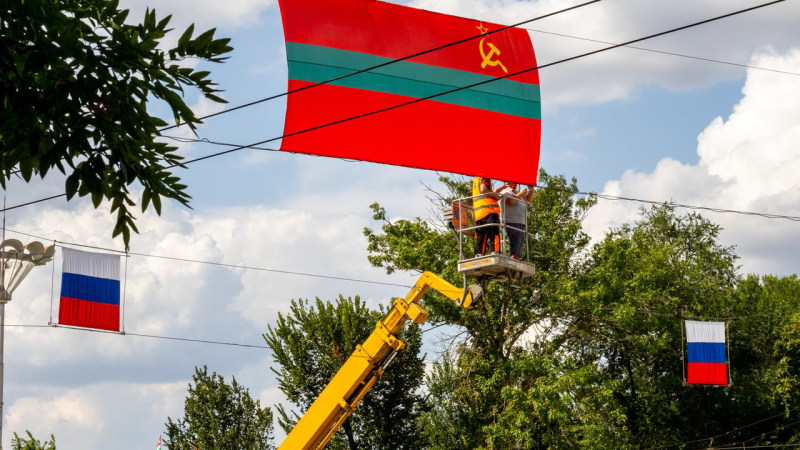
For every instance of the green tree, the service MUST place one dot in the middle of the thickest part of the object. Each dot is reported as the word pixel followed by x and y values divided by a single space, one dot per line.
pixel 314 340
pixel 483 364
pixel 76 81
pixel 220 416
pixel 18 443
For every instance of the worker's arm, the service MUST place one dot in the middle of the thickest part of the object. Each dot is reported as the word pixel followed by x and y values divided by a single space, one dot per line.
pixel 511 198
pixel 529 194
pixel 491 193
pixel 366 365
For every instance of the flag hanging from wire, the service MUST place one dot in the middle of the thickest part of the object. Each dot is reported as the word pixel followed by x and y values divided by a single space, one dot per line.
pixel 708 363
pixel 492 130
pixel 90 290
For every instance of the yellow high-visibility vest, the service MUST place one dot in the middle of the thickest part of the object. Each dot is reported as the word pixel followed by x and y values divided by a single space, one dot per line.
pixel 482 206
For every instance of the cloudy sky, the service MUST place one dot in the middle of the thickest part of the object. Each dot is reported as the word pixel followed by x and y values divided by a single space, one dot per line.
pixel 627 122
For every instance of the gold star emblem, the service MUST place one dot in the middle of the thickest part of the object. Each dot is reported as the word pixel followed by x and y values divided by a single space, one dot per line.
pixel 482 28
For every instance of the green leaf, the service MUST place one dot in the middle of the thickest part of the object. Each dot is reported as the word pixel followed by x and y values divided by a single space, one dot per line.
pixel 145 199
pixel 186 37
pixel 72 185
pixel 157 203
pixel 97 198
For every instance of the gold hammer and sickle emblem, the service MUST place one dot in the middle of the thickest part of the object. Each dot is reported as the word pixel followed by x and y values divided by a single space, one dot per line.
pixel 487 59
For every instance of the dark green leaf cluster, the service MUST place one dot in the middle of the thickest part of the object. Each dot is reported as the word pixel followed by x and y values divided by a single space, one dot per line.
pixel 18 443
pixel 312 342
pixel 75 82
pixel 220 416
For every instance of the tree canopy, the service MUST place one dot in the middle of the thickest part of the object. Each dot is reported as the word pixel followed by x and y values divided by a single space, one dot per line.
pixel 31 443
pixel 77 81
pixel 220 416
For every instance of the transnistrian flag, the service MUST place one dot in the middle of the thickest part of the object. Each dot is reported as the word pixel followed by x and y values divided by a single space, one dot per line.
pixel 706 345
pixel 492 130
pixel 90 290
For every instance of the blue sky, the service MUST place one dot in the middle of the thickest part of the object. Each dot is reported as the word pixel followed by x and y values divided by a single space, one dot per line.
pixel 627 123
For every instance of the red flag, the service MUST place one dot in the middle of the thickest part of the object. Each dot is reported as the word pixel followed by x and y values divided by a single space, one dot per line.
pixel 492 130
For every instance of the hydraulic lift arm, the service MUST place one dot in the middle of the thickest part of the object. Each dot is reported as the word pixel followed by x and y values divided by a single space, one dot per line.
pixel 367 363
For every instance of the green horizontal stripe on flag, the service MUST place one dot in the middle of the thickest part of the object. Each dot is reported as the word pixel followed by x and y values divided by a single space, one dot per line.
pixel 316 64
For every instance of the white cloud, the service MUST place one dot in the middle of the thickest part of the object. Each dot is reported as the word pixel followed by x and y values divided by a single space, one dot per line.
pixel 203 13
pixel 85 417
pixel 571 155
pixel 748 162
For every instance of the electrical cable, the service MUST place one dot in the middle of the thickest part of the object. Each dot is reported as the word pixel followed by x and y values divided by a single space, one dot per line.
pixel 470 86
pixel 663 52
pixel 595 194
pixel 539 67
pixel 153 336
pixel 461 41
pixel 740 444
pixel 211 263
pixel 704 208
pixel 758 446
pixel 725 433
pixel 481 83
pixel 283 94
pixel 519 24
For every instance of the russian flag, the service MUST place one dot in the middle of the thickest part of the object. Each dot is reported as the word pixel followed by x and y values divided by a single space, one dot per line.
pixel 706 345
pixel 89 290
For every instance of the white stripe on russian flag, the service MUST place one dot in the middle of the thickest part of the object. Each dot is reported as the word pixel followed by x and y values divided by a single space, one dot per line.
pixel 710 332
pixel 99 265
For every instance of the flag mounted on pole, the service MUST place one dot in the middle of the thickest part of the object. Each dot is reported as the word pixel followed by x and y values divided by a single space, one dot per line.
pixel 158 445
pixel 708 363
pixel 492 130
pixel 90 290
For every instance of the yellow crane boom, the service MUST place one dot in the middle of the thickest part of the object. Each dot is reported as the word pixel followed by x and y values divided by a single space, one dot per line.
pixel 367 363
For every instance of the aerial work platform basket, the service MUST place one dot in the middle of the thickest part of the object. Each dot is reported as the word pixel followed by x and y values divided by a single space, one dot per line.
pixel 497 266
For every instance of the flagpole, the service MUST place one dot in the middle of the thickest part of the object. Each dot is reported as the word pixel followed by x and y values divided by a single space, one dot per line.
pixel 2 326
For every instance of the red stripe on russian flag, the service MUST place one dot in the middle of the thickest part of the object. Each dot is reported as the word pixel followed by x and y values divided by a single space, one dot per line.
pixel 81 313
pixel 708 373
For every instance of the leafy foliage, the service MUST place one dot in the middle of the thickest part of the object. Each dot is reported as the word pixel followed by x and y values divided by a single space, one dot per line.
pixel 313 341
pixel 220 416
pixel 18 443
pixel 75 81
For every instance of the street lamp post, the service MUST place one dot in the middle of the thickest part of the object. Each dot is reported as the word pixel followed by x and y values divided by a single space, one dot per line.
pixel 16 262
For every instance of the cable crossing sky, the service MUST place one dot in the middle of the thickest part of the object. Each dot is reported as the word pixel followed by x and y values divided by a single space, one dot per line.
pixel 582 55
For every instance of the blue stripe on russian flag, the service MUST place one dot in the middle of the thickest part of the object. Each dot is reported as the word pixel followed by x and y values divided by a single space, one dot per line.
pixel 706 352
pixel 93 289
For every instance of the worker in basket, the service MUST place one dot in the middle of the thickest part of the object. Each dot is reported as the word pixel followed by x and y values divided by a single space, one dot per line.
pixel 516 213
pixel 487 212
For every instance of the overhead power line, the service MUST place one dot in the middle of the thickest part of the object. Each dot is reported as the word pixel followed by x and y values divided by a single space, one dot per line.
pixel 283 94
pixel 153 336
pixel 595 194
pixel 492 80
pixel 539 67
pixel 170 338
pixel 211 263
pixel 703 208
pixel 711 438
pixel 519 24
pixel 663 52
pixel 394 61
